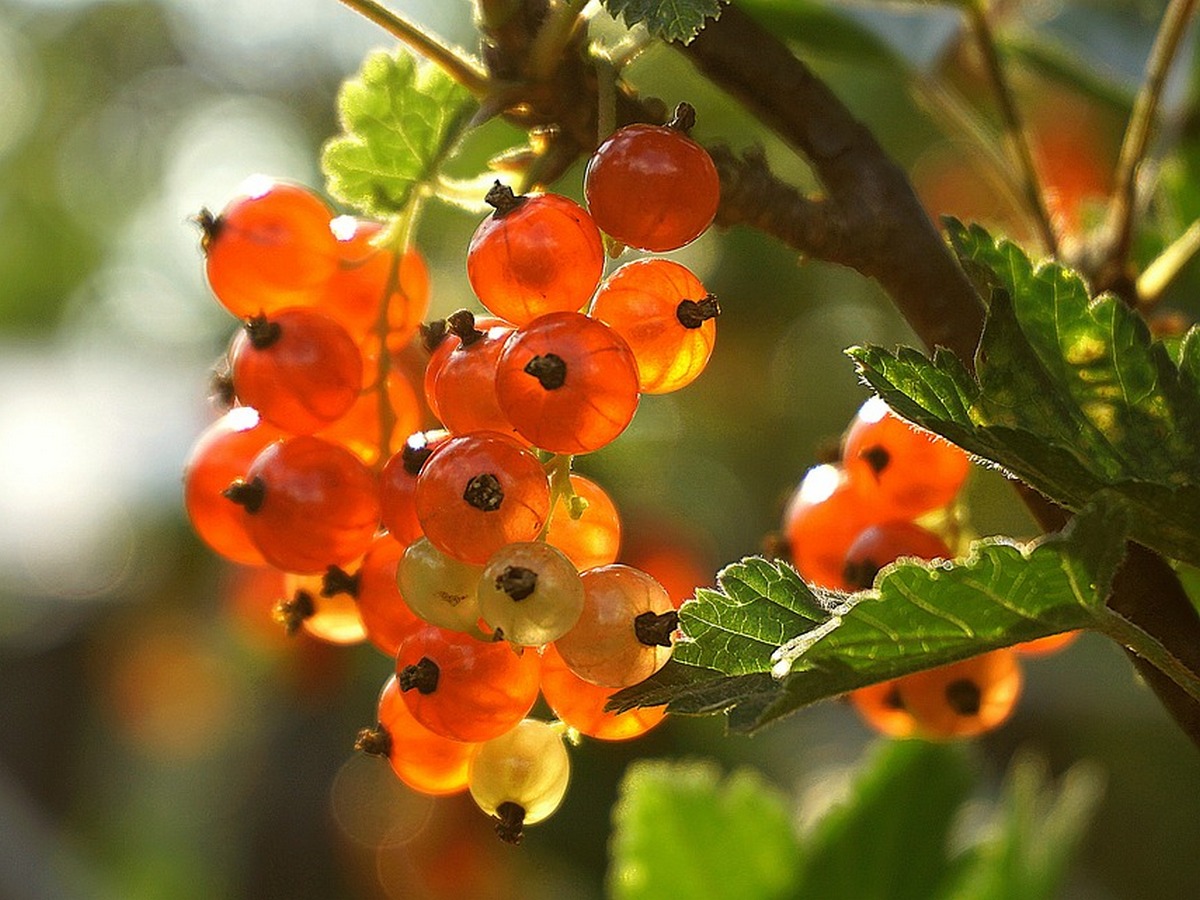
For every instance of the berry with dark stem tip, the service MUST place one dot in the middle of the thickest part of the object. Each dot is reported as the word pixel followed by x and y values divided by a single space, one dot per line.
pixel 964 697
pixel 247 494
pixel 694 313
pixel 877 458
pixel 376 741
pixel 461 324
pixel 337 580
pixel 433 333
pixel 684 119
pixel 549 369
pixel 291 613
pixel 655 629
pixel 517 581
pixel 422 676
pixel 263 332
pixel 484 492
pixel 510 822
pixel 502 199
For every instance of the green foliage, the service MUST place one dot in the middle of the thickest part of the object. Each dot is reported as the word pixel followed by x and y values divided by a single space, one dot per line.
pixel 888 839
pixel 677 828
pixel 400 119
pixel 670 20
pixel 765 643
pixel 1070 394
pixel 680 831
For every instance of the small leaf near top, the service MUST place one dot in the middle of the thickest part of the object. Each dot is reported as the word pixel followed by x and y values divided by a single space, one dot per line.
pixel 670 20
pixel 400 118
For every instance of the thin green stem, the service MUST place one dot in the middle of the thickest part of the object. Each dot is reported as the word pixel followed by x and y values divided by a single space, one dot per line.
pixel 453 62
pixel 1149 648
pixel 1017 137
pixel 558 470
pixel 396 240
pixel 552 38
pixel 1139 130
pixel 1162 272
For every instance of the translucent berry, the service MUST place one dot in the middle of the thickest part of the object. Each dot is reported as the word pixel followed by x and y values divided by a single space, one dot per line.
pixel 882 544
pixel 426 762
pixel 594 537
pixel 308 504
pixel 623 635
pixel 325 606
pixel 479 492
pixel 653 187
pixel 899 469
pixel 364 279
pixel 580 704
pixel 359 430
pixel 464 385
pixel 530 593
pixel 535 254
pixel 385 616
pixel 665 315
pixel 440 340
pixel 222 453
pixel 882 708
pixel 567 382
pixel 298 368
pixel 270 248
pixel 963 699
pixel 521 777
pixel 398 484
pixel 438 588
pixel 463 688
pixel 822 519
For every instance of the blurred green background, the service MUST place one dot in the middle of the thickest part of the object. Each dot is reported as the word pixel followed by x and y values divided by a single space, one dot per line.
pixel 160 739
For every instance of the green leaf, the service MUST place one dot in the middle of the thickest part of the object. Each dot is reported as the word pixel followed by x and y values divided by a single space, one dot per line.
pixel 670 20
pixel 1037 832
pixel 1071 394
pixel 400 118
pixel 888 839
pixel 682 832
pixel 765 643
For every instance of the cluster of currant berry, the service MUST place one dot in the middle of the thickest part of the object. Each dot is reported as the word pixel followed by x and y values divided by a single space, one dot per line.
pixel 847 521
pixel 472 556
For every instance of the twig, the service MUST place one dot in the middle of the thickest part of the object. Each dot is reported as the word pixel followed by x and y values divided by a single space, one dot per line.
pixel 553 35
pixel 1018 139
pixel 1162 272
pixel 456 65
pixel 1122 205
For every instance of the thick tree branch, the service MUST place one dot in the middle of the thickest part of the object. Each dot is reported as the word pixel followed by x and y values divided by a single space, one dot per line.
pixel 868 195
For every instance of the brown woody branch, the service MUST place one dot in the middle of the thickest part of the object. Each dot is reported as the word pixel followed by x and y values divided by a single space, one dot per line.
pixel 872 221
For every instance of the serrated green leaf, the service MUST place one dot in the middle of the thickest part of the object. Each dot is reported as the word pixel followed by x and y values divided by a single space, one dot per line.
pixel 1071 394
pixel 670 20
pixel 681 831
pixel 400 118
pixel 765 643
pixel 1036 835
pixel 889 839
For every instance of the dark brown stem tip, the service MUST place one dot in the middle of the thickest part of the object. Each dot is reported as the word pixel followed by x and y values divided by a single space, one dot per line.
pixel 964 697
pixel 220 386
pixel 860 574
pixel 249 495
pixel 422 676
pixel 461 324
pixel 517 581
pixel 694 313
pixel 684 119
pixel 877 458
pixel 655 629
pixel 549 369
pixel 502 199
pixel 210 227
pixel 337 580
pixel 432 334
pixel 262 332
pixel 484 492
pixel 510 822
pixel 376 741
pixel 292 613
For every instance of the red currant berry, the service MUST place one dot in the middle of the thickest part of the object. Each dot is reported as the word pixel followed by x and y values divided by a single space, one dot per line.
pixel 398 485
pixel 479 492
pixel 880 545
pixel 463 688
pixel 881 707
pixel 666 317
pixel 567 382
pixel 653 187
pixel 963 699
pixel 900 469
pixel 308 504
pixel 594 538
pixel 536 254
pixel 385 615
pixel 822 519
pixel 270 248
pixel 299 369
pixel 580 704
pixel 464 385
pixel 360 430
pixel 222 453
